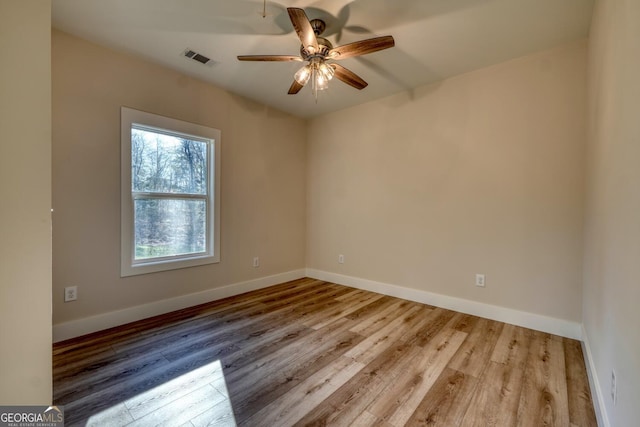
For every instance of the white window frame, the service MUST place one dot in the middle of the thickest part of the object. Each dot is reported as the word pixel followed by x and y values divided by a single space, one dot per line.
pixel 128 265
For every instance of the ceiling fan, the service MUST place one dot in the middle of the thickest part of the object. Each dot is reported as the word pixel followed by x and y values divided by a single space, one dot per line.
pixel 318 51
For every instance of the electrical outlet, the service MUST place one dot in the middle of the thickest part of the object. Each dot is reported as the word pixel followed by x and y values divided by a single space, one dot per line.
pixel 341 259
pixel 480 280
pixel 70 293
pixel 614 391
pixel 256 262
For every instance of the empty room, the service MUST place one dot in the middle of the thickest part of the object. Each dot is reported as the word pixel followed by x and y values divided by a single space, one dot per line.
pixel 365 212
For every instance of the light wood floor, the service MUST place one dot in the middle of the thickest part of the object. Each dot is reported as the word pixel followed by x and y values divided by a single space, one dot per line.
pixel 314 353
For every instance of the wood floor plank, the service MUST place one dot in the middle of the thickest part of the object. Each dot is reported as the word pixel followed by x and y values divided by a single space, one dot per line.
pixel 72 363
pixel 473 356
pixel 436 321
pixel 220 415
pixel 350 305
pixel 369 326
pixel 497 397
pixel 581 411
pixel 223 311
pixel 102 339
pixel 191 406
pixel 353 293
pixel 117 415
pixel 512 342
pixel 268 346
pixel 308 352
pixel 372 346
pixel 466 322
pixel 112 369
pixel 286 356
pixel 447 401
pixel 367 419
pixel 399 401
pixel 544 399
pixel 346 405
pixel 243 334
pixel 151 400
pixel 292 406
pixel 229 318
pixel 287 368
pixel 373 308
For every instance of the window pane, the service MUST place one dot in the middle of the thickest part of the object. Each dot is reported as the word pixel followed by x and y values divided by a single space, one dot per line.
pixel 169 227
pixel 167 164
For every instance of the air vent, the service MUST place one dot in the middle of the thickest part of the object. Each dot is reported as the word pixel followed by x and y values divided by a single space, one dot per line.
pixel 188 53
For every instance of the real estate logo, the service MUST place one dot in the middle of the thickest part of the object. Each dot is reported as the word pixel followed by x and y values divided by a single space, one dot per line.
pixel 31 416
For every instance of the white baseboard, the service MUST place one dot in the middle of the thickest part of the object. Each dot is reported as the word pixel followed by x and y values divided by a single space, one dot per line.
pixel 596 391
pixel 75 328
pixel 552 325
pixel 87 325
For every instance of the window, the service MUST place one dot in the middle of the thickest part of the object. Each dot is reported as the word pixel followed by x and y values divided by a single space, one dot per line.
pixel 170 193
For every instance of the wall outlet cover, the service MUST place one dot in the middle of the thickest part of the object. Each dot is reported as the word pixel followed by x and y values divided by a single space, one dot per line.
pixel 70 293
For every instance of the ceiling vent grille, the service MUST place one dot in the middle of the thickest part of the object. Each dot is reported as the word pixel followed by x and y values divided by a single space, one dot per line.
pixel 188 53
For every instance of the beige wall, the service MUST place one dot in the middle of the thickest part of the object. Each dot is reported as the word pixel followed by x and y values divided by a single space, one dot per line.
pixel 25 210
pixel 612 222
pixel 482 173
pixel 263 179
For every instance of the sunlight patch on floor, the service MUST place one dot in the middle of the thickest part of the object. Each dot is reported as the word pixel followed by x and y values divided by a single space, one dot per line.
pixel 197 398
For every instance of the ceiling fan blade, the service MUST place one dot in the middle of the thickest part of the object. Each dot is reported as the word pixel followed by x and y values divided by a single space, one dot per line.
pixel 269 58
pixel 362 47
pixel 295 88
pixel 303 28
pixel 349 77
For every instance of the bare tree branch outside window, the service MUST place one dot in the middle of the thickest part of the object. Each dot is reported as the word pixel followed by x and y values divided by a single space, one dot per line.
pixel 169 187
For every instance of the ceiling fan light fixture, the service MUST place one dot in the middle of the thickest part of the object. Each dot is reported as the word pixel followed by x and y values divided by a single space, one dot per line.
pixel 318 72
pixel 326 70
pixel 302 75
pixel 321 81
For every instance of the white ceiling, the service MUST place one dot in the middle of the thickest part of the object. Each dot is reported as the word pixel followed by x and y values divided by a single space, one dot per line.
pixel 435 39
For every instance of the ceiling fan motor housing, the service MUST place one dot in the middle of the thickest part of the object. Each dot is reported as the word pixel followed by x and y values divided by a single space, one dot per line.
pixel 324 47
